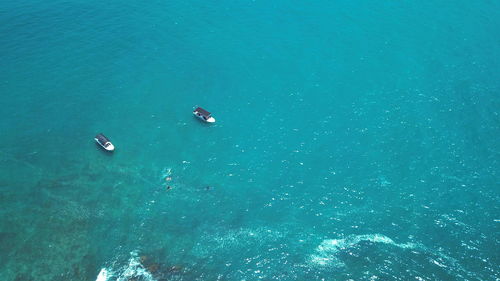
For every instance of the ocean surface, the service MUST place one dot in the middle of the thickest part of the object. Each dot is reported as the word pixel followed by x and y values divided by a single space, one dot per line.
pixel 355 140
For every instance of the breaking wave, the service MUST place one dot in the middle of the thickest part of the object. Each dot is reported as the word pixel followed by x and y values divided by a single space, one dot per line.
pixel 133 270
pixel 327 252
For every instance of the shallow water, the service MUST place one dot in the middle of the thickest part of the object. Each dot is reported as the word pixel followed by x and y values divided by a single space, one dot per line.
pixel 353 140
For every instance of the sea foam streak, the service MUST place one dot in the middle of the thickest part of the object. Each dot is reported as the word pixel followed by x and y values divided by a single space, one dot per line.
pixel 326 252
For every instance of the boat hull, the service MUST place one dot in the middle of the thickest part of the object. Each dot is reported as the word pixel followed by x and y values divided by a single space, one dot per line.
pixel 209 120
pixel 110 147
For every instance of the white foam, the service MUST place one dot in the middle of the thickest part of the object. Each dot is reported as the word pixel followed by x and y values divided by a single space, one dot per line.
pixel 326 253
pixel 103 275
pixel 133 269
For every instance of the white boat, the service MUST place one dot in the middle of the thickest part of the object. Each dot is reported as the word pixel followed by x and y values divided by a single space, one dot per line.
pixel 203 115
pixel 104 142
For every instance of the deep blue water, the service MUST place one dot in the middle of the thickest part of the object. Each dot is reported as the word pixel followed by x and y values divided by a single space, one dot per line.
pixel 354 140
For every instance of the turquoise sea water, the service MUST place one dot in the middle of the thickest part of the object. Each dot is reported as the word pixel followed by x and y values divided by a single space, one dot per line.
pixel 355 140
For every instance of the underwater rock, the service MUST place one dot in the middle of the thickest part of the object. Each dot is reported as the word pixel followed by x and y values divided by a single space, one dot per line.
pixel 159 271
pixel 153 268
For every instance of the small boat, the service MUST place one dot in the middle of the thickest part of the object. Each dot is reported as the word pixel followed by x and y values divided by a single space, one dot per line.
pixel 104 142
pixel 204 115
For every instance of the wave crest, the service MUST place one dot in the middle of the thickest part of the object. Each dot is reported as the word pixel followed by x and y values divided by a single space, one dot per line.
pixel 326 253
pixel 134 270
